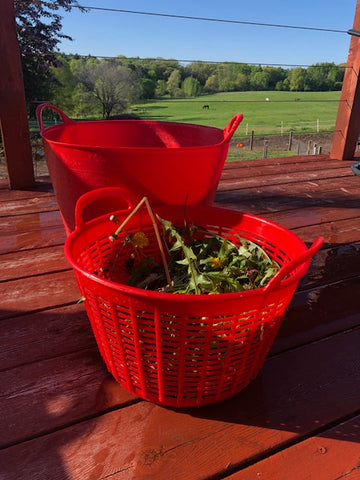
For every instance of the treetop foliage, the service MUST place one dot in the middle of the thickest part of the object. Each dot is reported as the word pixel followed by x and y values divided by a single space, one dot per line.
pixel 39 31
pixel 153 78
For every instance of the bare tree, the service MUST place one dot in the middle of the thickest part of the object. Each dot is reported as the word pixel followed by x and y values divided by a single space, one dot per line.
pixel 114 86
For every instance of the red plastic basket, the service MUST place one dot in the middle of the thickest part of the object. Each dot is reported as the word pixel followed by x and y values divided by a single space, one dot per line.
pixel 138 154
pixel 175 349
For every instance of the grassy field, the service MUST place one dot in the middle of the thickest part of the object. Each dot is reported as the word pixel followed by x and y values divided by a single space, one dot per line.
pixel 283 112
pixel 303 112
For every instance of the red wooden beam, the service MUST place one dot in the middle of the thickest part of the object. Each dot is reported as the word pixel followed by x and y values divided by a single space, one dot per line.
pixel 347 126
pixel 13 116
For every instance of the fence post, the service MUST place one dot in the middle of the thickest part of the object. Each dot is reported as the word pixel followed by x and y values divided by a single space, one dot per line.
pixel 265 148
pixel 308 147
pixel 290 140
pixel 252 139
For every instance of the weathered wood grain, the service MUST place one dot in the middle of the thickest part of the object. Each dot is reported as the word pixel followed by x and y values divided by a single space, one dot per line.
pixel 34 262
pixel 43 335
pixel 284 405
pixel 35 230
pixel 33 204
pixel 333 454
pixel 64 418
pixel 38 293
pixel 43 396
pixel 238 182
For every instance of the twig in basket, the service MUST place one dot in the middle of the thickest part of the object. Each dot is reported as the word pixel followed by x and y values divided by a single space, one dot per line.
pixel 156 230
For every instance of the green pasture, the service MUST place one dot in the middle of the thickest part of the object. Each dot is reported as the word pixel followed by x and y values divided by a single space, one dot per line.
pixel 283 111
pixel 299 112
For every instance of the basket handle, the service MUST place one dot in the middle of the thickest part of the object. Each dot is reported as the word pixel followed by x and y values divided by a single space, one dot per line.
pixel 40 109
pixel 99 194
pixel 230 128
pixel 289 267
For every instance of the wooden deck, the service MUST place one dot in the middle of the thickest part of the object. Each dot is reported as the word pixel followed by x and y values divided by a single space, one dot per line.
pixel 64 418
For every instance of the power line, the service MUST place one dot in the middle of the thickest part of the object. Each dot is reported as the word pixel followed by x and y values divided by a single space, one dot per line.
pixel 207 19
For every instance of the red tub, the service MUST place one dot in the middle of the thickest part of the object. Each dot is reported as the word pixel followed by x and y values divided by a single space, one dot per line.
pixel 170 163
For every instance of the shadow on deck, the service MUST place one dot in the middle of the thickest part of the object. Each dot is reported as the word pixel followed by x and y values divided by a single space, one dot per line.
pixel 64 417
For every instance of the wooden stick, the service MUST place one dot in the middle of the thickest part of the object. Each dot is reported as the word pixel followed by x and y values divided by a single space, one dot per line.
pixel 156 230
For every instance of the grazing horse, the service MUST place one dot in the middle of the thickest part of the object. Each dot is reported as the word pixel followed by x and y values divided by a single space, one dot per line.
pixel 206 107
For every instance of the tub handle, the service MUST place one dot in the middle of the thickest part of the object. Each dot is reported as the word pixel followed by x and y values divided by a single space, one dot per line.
pixel 289 267
pixel 230 128
pixel 93 196
pixel 40 109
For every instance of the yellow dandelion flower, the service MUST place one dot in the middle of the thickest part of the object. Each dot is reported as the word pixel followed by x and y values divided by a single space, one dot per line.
pixel 193 228
pixel 216 263
pixel 139 240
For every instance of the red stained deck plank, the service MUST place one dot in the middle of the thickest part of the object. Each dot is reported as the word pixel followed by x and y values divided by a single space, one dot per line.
pixel 283 406
pixel 43 396
pixel 237 182
pixel 321 190
pixel 313 314
pixel 335 233
pixel 35 230
pixel 269 167
pixel 38 293
pixel 33 262
pixel 333 454
pixel 43 335
pixel 269 200
pixel 303 159
pixel 31 204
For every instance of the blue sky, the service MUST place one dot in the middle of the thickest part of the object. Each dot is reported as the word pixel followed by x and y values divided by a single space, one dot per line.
pixel 111 33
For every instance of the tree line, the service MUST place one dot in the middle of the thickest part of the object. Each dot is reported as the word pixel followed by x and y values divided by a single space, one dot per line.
pixel 89 85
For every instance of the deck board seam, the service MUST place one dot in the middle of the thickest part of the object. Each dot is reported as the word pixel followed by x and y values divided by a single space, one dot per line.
pixel 313 342
pixel 35 275
pixel 84 419
pixel 38 310
pixel 284 446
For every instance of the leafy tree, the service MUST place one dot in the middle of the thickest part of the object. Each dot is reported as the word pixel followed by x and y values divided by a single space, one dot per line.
pixel 259 79
pixel 200 70
pixel 226 77
pixel 39 31
pixel 173 83
pixel 147 88
pixel 275 75
pixel 242 82
pixel 191 87
pixel 323 76
pixel 212 84
pixel 160 88
pixel 297 79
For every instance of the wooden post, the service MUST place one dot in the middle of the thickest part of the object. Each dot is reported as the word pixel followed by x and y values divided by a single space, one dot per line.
pixel 265 148
pixel 347 125
pixel 13 116
pixel 308 147
pixel 252 140
pixel 290 141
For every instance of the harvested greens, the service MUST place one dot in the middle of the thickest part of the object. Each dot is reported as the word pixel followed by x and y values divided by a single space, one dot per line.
pixel 197 262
